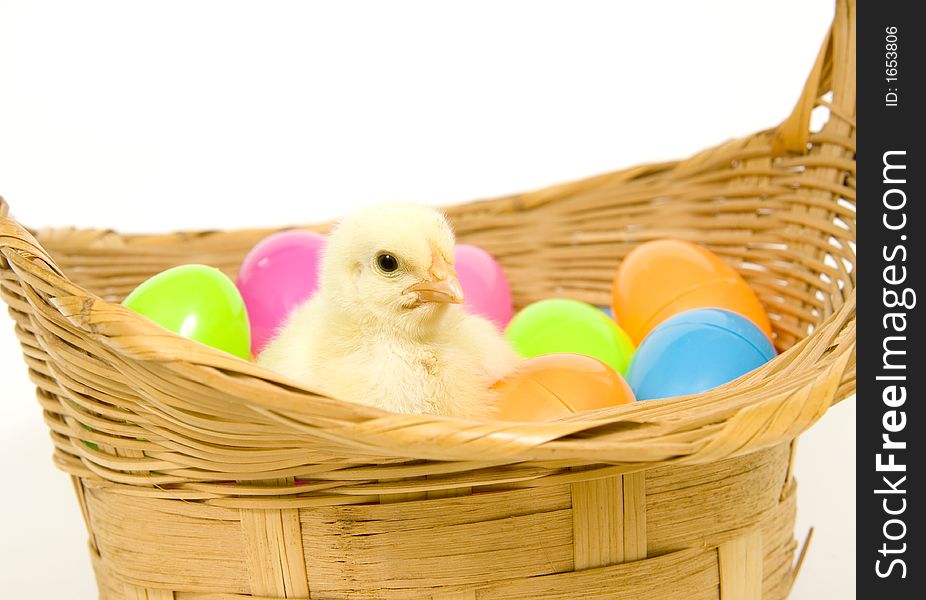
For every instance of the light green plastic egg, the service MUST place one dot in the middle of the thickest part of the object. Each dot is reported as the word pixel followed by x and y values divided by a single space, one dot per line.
pixel 196 302
pixel 562 325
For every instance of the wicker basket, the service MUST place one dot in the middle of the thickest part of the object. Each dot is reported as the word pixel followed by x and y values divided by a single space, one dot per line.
pixel 204 477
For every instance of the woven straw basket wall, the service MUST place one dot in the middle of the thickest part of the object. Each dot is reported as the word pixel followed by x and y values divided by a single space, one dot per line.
pixel 204 477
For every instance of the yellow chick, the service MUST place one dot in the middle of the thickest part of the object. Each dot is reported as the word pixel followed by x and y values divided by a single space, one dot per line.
pixel 386 327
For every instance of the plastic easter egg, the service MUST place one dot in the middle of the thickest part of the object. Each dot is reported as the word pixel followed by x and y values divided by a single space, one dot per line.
pixel 556 385
pixel 695 351
pixel 278 274
pixel 196 302
pixel 485 288
pixel 607 311
pixel 662 278
pixel 560 325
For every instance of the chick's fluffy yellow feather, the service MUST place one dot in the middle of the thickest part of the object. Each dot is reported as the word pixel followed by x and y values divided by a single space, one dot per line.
pixel 386 327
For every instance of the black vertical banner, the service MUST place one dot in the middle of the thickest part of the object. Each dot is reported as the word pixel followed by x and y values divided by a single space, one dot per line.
pixel 891 171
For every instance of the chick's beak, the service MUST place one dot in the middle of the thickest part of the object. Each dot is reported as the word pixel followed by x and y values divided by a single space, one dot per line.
pixel 445 290
pixel 442 287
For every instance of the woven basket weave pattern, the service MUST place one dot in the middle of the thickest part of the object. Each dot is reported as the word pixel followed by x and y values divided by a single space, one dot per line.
pixel 203 477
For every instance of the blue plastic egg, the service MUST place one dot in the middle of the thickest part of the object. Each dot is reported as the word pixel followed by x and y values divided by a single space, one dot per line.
pixel 695 351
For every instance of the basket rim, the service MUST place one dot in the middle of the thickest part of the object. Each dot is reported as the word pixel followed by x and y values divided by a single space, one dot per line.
pixel 383 430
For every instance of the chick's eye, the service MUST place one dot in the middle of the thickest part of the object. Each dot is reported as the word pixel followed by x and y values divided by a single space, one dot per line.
pixel 387 263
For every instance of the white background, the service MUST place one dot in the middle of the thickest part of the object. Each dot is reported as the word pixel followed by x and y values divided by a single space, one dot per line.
pixel 185 115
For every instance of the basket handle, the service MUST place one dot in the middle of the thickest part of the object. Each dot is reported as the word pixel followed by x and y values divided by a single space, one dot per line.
pixel 834 70
pixel 17 238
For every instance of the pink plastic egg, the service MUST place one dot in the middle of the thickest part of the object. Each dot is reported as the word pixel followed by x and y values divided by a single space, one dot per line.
pixel 485 288
pixel 278 274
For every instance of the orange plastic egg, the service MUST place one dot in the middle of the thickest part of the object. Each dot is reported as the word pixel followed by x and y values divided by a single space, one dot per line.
pixel 662 278
pixel 556 385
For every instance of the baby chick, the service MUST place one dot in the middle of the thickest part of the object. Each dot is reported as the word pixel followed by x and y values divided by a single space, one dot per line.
pixel 386 328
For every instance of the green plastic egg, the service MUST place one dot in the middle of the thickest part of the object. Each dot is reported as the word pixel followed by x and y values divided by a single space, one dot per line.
pixel 196 302
pixel 562 325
